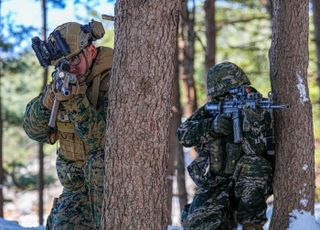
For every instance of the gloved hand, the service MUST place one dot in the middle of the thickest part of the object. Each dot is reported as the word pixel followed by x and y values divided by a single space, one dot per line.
pixel 53 91
pixel 222 124
pixel 48 97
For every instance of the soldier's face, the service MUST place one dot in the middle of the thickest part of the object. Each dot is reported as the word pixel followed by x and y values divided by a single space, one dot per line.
pixel 79 65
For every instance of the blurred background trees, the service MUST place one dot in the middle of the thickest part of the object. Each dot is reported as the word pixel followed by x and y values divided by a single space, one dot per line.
pixel 210 31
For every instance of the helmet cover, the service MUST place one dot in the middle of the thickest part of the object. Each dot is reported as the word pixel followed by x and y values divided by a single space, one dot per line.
pixel 224 76
pixel 78 36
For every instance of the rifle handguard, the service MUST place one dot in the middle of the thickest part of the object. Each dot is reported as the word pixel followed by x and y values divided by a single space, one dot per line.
pixel 54 113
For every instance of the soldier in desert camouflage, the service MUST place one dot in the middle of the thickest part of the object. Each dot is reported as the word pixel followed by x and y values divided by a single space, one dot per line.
pixel 79 125
pixel 233 179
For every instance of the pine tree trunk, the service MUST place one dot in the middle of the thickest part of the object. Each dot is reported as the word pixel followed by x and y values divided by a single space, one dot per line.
pixel 210 57
pixel 316 22
pixel 139 115
pixel 173 142
pixel 1 145
pixel 40 145
pixel 1 156
pixel 181 177
pixel 294 181
pixel 186 58
pixel 176 146
pixel 268 5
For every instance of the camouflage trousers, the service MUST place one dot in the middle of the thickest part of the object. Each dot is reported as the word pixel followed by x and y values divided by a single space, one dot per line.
pixel 79 206
pixel 241 199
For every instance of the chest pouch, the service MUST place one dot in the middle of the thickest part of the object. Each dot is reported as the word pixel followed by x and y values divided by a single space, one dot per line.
pixel 71 146
pixel 233 154
pixel 215 149
pixel 254 132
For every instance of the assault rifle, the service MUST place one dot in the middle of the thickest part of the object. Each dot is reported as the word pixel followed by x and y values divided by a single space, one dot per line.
pixel 240 98
pixel 62 79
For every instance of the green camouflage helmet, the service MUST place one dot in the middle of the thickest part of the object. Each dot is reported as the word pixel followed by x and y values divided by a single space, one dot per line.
pixel 224 76
pixel 78 36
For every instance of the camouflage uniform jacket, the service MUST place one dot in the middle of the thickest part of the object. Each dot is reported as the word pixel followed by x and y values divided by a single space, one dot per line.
pixel 80 120
pixel 218 154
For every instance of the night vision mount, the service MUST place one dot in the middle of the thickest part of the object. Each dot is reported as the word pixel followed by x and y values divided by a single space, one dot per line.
pixel 51 50
pixel 48 51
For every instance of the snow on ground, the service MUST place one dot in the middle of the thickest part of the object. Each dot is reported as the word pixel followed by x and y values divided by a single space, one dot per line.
pixel 299 220
pixel 12 225
pixel 302 220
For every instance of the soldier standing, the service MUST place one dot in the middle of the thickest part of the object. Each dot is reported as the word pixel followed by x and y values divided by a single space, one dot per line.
pixel 79 124
pixel 233 179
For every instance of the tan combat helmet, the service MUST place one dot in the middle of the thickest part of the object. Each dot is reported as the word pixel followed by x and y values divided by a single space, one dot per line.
pixel 77 36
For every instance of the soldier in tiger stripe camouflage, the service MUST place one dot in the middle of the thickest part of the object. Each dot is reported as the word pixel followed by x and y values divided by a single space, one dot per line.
pixel 233 179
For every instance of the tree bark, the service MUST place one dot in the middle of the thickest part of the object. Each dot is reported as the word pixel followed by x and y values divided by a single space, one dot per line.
pixel 210 25
pixel 1 156
pixel 139 115
pixel 316 22
pixel 294 179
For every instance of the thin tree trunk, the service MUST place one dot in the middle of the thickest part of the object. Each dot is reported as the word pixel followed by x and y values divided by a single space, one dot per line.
pixel 210 57
pixel 177 147
pixel 1 142
pixel 1 155
pixel 187 58
pixel 316 21
pixel 294 134
pixel 181 177
pixel 268 5
pixel 174 123
pixel 40 145
pixel 40 182
pixel 139 115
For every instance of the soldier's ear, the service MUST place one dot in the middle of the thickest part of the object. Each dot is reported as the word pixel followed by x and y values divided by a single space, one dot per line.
pixel 92 50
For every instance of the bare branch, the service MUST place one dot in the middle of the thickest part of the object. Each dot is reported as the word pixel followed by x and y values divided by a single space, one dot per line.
pixel 108 17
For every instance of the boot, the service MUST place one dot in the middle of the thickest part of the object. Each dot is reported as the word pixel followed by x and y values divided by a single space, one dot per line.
pixel 252 227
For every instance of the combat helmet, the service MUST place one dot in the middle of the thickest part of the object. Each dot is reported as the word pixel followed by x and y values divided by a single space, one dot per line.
pixel 224 76
pixel 77 36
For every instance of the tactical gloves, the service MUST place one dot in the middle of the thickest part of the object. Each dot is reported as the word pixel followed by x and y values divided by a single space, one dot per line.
pixel 222 124
pixel 50 93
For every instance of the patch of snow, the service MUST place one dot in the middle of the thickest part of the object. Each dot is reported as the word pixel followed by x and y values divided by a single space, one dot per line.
pixel 304 202
pixel 170 227
pixel 12 225
pixel 305 167
pixel 302 220
pixel 302 89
